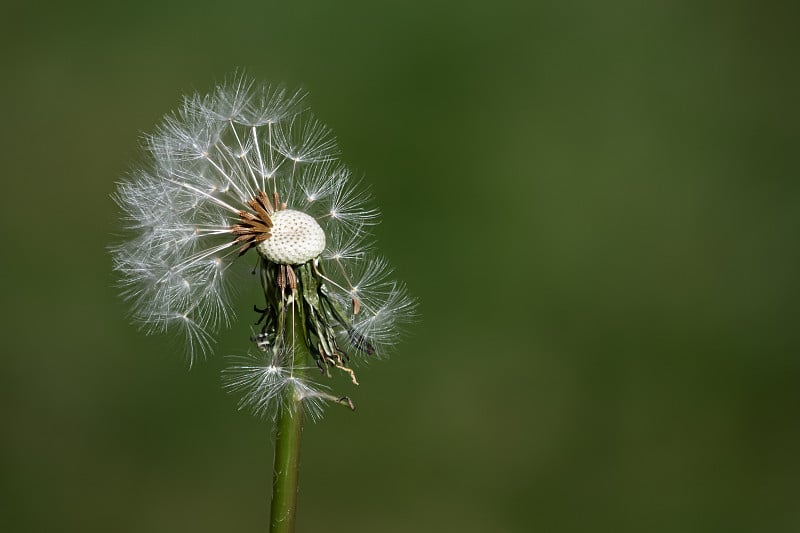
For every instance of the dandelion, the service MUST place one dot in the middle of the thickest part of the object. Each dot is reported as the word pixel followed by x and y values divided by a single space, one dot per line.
pixel 247 171
pixel 248 175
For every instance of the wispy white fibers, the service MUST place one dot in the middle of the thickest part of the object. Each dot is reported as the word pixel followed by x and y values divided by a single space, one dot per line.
pixel 222 175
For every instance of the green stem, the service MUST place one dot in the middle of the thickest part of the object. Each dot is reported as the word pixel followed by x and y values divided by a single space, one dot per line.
pixel 289 429
pixel 287 471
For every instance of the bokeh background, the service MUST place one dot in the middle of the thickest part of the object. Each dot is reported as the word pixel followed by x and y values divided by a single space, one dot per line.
pixel 597 204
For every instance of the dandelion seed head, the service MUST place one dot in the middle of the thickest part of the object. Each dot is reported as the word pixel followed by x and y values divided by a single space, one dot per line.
pixel 249 166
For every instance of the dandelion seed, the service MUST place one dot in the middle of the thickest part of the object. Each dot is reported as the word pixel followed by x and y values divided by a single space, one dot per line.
pixel 246 170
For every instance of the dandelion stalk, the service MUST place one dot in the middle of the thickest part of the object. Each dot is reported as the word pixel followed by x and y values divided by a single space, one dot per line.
pixel 288 435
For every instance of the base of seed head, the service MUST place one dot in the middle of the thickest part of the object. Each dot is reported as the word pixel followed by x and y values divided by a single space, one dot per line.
pixel 296 238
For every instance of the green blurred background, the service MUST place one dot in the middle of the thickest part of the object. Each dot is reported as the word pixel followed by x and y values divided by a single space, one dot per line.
pixel 597 204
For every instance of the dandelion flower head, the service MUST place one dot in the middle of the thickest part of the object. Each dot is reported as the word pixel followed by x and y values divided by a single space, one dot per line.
pixel 248 176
